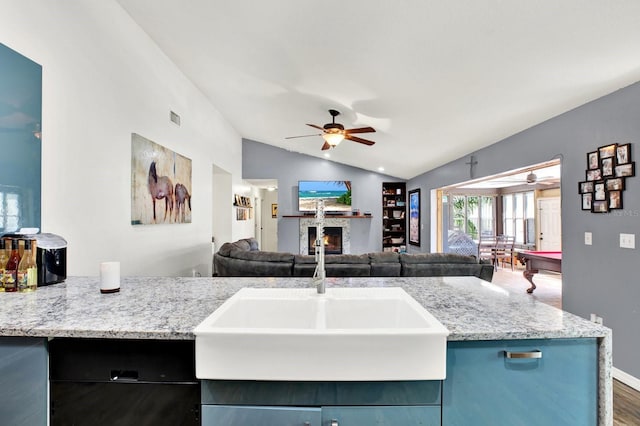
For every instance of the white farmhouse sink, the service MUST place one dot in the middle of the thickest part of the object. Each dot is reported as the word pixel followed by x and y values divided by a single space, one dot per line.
pixel 346 334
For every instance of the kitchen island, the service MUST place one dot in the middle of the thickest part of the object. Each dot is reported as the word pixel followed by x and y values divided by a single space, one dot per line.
pixel 165 308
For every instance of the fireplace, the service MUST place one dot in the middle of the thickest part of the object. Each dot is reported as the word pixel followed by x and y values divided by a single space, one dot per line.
pixel 332 239
pixel 306 242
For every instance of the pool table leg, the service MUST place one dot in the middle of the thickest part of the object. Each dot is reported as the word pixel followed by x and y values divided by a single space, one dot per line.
pixel 528 274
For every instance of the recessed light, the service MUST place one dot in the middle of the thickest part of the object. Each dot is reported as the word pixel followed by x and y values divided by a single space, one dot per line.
pixel 327 155
pixel 381 169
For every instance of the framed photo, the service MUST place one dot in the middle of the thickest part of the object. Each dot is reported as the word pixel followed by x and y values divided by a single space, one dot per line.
pixel 414 217
pixel 614 184
pixel 600 206
pixel 607 151
pixel 595 174
pixel 599 192
pixel 624 170
pixel 586 201
pixel 593 160
pixel 623 153
pixel 274 210
pixel 607 166
pixel 615 200
pixel 585 187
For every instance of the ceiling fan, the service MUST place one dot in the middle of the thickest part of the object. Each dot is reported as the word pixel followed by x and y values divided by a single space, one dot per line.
pixel 333 133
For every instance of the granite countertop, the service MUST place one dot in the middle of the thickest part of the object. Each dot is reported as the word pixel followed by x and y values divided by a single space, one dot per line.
pixel 170 307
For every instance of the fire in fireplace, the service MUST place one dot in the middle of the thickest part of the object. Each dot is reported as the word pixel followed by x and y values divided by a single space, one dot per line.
pixel 332 240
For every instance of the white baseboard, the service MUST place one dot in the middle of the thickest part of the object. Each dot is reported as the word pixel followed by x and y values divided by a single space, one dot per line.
pixel 627 379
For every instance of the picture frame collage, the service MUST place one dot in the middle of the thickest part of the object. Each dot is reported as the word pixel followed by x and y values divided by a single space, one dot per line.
pixel 605 176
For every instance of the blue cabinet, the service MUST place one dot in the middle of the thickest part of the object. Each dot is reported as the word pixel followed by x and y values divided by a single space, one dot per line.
pixel 23 381
pixel 521 382
pixel 251 403
pixel 228 415
pixel 382 416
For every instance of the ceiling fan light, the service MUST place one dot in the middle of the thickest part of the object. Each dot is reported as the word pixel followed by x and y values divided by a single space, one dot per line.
pixel 531 178
pixel 333 139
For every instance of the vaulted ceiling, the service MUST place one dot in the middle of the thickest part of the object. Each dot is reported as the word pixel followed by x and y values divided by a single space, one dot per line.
pixel 437 79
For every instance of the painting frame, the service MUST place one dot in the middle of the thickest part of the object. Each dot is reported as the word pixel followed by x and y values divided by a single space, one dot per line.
pixel 623 153
pixel 587 199
pixel 585 187
pixel 607 151
pixel 600 206
pixel 161 184
pixel 615 184
pixel 625 170
pixel 615 200
pixel 274 210
pixel 414 217
pixel 593 160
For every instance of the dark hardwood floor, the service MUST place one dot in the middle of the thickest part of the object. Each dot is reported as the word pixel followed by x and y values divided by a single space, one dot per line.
pixel 626 400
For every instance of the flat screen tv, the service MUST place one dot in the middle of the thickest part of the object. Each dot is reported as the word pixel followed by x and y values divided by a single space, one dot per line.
pixel 336 195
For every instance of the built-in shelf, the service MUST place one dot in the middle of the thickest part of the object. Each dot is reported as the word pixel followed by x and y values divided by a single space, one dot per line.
pixel 394 201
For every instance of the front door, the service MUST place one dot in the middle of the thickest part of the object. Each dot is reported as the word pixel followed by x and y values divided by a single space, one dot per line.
pixel 549 216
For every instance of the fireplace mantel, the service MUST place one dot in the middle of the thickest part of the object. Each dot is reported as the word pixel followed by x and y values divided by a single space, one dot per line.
pixel 327 216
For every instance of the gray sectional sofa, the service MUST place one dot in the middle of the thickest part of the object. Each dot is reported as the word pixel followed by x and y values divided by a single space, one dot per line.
pixel 243 259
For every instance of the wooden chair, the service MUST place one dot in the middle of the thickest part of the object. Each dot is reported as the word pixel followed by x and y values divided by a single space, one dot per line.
pixel 487 248
pixel 504 250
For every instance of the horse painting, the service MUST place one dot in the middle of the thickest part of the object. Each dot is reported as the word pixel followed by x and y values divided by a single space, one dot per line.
pixel 163 174
pixel 182 196
pixel 160 187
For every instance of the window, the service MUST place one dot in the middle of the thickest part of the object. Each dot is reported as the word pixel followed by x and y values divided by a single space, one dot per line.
pixel 518 217
pixel 473 215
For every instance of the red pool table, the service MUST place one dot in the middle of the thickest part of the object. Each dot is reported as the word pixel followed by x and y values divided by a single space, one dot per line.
pixel 539 260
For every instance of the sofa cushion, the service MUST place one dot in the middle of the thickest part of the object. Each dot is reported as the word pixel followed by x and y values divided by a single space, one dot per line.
pixel 253 244
pixel 436 258
pixel 242 245
pixel 301 259
pixel 225 249
pixel 233 267
pixel 441 270
pixel 261 256
pixel 346 258
pixel 384 257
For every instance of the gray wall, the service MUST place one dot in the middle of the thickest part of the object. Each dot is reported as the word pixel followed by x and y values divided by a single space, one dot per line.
pixel 261 161
pixel 601 278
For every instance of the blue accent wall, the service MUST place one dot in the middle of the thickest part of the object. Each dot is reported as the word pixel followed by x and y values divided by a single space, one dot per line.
pixel 20 148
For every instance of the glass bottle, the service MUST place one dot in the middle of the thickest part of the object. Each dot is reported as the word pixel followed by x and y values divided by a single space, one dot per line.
pixel 27 269
pixel 4 258
pixel 11 270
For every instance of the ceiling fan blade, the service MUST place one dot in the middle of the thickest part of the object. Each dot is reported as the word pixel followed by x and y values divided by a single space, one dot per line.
pixel 315 127
pixel 303 136
pixel 326 146
pixel 359 140
pixel 361 130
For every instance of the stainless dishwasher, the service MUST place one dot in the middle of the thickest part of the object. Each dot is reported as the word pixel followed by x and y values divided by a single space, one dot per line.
pixel 119 382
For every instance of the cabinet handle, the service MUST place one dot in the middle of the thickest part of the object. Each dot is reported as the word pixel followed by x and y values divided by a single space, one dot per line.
pixel 529 355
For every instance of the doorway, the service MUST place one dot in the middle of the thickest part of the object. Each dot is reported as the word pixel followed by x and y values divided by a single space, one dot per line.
pixel 266 231
pixel 221 212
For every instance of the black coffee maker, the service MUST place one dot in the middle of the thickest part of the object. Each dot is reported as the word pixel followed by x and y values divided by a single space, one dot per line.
pixel 51 258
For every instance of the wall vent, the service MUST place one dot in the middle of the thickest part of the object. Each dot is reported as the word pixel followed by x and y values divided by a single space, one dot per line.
pixel 174 117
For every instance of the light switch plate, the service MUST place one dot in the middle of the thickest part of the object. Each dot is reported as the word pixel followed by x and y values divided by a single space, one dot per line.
pixel 587 238
pixel 628 241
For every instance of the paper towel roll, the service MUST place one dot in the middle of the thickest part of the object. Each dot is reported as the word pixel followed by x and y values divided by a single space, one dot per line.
pixel 109 277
